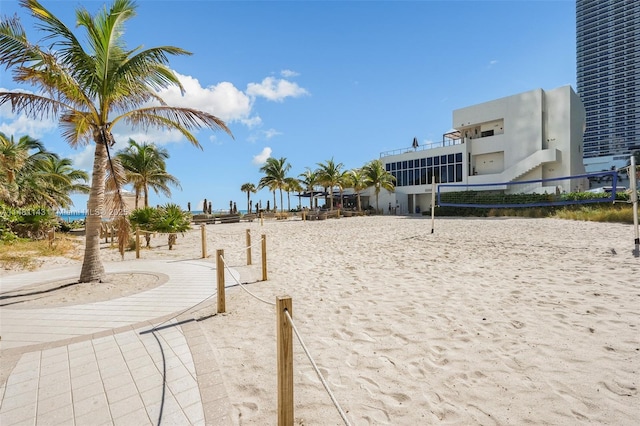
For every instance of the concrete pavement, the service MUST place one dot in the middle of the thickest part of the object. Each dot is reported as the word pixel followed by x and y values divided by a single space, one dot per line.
pixel 104 363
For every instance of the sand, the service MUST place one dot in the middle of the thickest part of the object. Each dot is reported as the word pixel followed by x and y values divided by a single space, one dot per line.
pixel 485 321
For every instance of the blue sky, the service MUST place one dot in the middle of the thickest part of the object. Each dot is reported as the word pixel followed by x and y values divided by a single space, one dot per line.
pixel 315 80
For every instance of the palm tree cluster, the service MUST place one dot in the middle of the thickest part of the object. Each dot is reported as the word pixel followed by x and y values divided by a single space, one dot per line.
pixel 91 83
pixel 32 176
pixel 168 219
pixel 328 176
pixel 145 168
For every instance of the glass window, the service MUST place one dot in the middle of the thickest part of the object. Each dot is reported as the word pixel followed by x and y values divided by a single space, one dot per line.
pixel 429 174
pixel 411 164
pixel 443 174
pixel 423 176
pixel 450 173
pixel 387 167
pixel 404 177
pixel 423 162
pixel 430 161
pixel 393 166
pixel 443 159
pixel 458 172
pixel 410 173
pixel 450 158
pixel 459 157
pixel 436 161
pixel 398 165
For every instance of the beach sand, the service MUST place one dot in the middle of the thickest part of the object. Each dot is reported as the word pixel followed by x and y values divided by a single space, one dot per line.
pixel 485 321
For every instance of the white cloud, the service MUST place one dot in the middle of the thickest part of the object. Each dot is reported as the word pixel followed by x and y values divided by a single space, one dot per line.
pixel 275 89
pixel 271 133
pixel 289 73
pixel 223 100
pixel 263 134
pixel 83 160
pixel 261 158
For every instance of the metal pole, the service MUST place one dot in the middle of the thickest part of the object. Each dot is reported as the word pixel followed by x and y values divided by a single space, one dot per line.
pixel 633 184
pixel 434 188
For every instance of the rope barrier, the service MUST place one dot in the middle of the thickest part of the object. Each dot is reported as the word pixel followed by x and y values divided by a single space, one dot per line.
pixel 317 370
pixel 242 286
pixel 304 347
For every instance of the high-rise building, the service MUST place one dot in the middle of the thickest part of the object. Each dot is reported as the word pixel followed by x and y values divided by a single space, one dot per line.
pixel 608 79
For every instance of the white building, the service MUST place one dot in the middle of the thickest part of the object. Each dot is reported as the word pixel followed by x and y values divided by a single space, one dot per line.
pixel 528 136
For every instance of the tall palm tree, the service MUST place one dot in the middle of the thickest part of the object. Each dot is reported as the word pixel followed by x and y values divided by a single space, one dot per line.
pixel 145 167
pixel 329 174
pixel 309 180
pixel 358 181
pixel 90 84
pixel 275 177
pixel 344 181
pixel 292 185
pixel 378 177
pixel 249 188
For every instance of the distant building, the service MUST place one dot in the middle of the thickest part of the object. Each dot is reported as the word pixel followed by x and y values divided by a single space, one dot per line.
pixel 529 136
pixel 608 79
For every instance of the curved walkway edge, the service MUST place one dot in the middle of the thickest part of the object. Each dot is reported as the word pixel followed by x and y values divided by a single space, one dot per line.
pixel 104 363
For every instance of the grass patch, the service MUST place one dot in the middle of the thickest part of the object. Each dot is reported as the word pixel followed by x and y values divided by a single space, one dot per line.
pixel 24 253
pixel 620 213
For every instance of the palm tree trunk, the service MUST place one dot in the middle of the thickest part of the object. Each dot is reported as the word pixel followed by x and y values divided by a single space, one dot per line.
pixel 331 199
pixel 146 196
pixel 92 268
pixel 281 202
pixel 248 199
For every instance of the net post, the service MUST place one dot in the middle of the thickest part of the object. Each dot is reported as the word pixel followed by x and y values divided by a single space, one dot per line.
pixel 434 188
pixel 633 184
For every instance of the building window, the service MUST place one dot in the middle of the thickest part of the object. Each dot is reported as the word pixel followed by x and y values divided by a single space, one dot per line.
pixel 447 168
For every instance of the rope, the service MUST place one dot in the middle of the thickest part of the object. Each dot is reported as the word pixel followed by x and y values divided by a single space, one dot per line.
pixel 155 327
pixel 242 286
pixel 317 370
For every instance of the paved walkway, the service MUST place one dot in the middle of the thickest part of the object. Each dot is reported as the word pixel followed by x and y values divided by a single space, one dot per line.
pixel 100 363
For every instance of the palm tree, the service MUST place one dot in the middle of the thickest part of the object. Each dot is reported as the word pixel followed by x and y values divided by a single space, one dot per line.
pixel 329 174
pixel 145 167
pixel 15 157
pixel 249 188
pixel 378 177
pixel 171 219
pixel 36 178
pixel 358 181
pixel 344 182
pixel 61 179
pixel 309 179
pixel 275 177
pixel 91 87
pixel 292 185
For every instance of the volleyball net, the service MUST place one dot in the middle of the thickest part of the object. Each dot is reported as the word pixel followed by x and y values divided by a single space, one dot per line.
pixel 578 189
